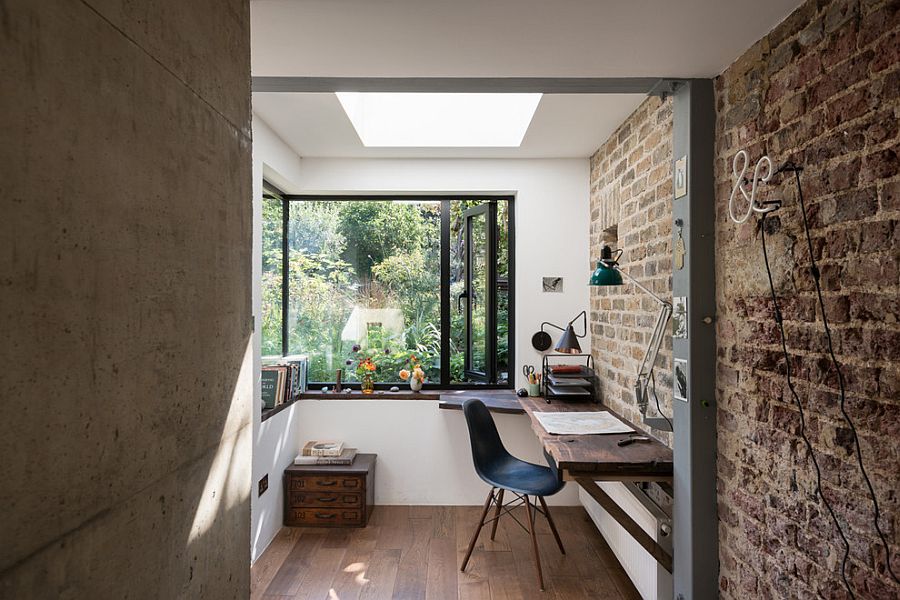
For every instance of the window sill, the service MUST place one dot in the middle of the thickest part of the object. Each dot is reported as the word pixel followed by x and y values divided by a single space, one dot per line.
pixel 498 401
pixel 268 413
pixel 376 395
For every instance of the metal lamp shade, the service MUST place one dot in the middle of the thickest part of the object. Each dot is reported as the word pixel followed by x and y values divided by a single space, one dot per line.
pixel 568 342
pixel 605 275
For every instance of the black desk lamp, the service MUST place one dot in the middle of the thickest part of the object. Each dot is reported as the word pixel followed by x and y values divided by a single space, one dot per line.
pixel 568 341
pixel 608 273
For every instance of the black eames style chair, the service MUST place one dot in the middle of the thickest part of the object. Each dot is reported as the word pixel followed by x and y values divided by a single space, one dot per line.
pixel 504 472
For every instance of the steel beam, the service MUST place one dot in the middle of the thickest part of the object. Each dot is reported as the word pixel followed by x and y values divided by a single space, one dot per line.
pixel 545 85
pixel 695 516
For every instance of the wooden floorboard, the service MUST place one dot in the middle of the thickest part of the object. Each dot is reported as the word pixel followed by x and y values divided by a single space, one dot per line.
pixel 414 553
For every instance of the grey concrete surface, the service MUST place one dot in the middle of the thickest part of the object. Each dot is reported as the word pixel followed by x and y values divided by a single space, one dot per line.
pixel 125 237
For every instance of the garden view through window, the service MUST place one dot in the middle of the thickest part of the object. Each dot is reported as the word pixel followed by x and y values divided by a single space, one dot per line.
pixel 390 282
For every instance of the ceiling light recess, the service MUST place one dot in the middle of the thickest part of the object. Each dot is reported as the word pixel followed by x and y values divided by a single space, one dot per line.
pixel 425 120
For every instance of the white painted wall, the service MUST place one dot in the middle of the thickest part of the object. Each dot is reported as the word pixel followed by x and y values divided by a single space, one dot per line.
pixel 552 219
pixel 276 440
pixel 423 451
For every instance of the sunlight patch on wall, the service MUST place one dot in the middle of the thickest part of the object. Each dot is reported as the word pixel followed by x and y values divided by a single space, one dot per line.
pixel 226 484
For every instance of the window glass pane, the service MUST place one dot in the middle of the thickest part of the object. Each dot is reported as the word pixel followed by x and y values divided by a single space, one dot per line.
pixel 271 276
pixel 479 292
pixel 459 299
pixel 365 283
pixel 503 315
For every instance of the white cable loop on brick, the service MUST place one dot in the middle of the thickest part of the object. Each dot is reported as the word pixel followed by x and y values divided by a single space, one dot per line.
pixel 752 204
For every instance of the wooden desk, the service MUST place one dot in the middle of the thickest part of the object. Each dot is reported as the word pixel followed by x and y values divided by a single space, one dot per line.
pixel 599 456
pixel 586 459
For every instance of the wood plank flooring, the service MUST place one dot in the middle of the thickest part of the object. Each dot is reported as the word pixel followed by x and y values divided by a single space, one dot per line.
pixel 414 552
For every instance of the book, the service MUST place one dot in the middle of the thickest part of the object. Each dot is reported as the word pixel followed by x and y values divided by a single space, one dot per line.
pixel 322 448
pixel 282 383
pixel 346 458
pixel 301 362
pixel 269 384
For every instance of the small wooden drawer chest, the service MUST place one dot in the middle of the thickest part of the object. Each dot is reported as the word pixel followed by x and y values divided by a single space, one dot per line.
pixel 330 495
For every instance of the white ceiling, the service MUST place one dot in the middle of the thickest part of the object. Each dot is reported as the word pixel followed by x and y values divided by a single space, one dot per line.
pixel 564 126
pixel 492 38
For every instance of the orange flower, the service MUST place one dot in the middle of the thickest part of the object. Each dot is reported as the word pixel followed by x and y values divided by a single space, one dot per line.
pixel 404 374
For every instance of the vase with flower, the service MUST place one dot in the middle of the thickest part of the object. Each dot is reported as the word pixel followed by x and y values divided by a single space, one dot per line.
pixel 415 374
pixel 365 370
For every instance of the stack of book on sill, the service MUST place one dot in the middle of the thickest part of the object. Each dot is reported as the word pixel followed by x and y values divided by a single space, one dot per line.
pixel 284 382
pixel 325 453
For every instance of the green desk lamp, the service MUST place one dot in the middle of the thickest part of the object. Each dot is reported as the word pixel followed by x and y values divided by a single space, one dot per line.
pixel 609 273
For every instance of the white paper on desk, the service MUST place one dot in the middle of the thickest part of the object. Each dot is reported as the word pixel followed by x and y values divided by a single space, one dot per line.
pixel 581 423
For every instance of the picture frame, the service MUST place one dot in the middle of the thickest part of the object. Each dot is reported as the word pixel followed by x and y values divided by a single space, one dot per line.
pixel 680 380
pixel 679 317
pixel 552 285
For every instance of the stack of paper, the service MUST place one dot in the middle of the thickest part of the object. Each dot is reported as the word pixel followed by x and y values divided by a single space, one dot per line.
pixel 581 423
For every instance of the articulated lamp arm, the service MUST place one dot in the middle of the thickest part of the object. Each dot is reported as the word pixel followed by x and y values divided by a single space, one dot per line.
pixel 645 370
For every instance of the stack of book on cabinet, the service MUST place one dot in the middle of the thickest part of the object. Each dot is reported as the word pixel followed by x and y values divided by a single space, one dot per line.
pixel 321 452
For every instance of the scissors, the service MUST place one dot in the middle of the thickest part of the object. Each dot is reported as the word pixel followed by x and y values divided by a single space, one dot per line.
pixel 528 371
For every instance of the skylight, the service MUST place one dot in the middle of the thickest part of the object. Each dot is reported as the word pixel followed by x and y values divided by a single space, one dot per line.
pixel 415 120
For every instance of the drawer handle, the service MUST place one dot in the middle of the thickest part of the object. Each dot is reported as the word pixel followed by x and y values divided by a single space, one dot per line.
pixel 328 482
pixel 324 516
pixel 327 499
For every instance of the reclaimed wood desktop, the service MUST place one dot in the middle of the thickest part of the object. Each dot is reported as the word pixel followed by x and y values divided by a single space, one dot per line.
pixel 587 459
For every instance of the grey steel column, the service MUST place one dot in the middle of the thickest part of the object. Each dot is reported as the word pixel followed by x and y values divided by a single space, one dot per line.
pixel 695 517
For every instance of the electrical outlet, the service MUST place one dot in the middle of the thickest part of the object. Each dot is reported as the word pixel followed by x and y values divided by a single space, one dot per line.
pixel 263 485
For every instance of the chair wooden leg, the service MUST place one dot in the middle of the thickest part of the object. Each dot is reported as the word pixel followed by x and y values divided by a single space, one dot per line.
pixel 537 559
pixel 552 524
pixel 497 514
pixel 487 506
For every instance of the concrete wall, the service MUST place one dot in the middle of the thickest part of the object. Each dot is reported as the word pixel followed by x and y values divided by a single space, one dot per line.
pixel 125 302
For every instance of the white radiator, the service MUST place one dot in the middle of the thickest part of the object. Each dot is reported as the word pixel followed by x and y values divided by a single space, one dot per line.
pixel 651 580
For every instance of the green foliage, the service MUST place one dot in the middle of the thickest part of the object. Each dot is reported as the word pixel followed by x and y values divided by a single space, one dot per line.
pixel 371 255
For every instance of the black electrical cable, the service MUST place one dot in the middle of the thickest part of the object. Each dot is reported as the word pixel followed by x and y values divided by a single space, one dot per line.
pixel 787 366
pixel 656 398
pixel 816 274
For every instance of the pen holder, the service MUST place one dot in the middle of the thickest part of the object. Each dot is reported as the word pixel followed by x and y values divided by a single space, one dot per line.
pixel 534 389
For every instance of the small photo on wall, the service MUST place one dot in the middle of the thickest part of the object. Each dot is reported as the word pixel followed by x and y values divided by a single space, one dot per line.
pixel 553 285
pixel 681 380
pixel 679 317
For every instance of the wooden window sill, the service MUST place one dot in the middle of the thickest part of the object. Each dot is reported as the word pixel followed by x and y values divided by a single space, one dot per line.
pixel 268 413
pixel 499 401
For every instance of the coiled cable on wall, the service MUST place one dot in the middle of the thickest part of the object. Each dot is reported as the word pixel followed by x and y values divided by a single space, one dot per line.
pixel 790 383
pixel 837 367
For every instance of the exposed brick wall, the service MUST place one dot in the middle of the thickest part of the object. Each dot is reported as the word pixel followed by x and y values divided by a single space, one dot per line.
pixel 822 90
pixel 631 190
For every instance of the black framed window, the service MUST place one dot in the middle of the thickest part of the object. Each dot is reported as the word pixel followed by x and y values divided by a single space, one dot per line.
pixel 395 279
